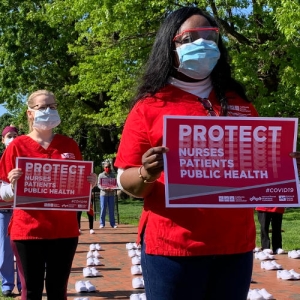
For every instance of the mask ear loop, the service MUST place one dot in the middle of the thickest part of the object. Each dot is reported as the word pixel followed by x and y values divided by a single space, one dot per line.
pixel 176 60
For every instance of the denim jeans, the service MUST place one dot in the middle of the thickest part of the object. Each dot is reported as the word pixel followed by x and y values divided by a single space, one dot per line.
pixel 211 277
pixel 107 201
pixel 7 265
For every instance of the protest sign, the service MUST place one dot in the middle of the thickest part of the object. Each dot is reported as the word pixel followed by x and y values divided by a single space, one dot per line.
pixel 53 184
pixel 108 183
pixel 230 162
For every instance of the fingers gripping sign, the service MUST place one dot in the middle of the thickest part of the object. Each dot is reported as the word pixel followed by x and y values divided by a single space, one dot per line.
pixel 152 163
pixel 14 175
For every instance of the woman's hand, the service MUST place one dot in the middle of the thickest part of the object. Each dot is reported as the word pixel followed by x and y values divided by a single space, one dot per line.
pixel 14 175
pixel 153 164
pixel 92 179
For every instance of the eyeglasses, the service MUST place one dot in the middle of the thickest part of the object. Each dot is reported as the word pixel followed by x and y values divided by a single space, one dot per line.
pixel 208 106
pixel 191 35
pixel 52 106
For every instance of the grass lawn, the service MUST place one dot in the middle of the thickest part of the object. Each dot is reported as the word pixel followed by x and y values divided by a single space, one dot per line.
pixel 291 227
pixel 129 211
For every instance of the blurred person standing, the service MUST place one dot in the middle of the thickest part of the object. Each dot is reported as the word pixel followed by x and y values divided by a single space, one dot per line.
pixel 107 197
pixel 7 264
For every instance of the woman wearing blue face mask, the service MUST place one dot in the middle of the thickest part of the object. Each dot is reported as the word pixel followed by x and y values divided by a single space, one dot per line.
pixel 44 242
pixel 187 253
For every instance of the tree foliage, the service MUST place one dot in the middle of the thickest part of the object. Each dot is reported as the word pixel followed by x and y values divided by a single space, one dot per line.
pixel 91 55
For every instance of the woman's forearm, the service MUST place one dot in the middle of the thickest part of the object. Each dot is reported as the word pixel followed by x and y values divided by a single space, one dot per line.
pixel 133 184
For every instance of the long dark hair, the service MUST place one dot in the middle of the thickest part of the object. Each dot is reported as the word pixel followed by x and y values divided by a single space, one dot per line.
pixel 160 64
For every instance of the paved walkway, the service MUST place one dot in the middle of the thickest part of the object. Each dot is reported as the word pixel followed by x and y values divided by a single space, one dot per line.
pixel 116 279
pixel 280 289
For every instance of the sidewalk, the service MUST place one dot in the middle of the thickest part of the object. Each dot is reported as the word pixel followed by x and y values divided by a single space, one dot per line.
pixel 280 289
pixel 116 280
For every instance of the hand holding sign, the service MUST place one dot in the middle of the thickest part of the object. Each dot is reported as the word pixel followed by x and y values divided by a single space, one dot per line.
pixel 152 161
pixel 14 175
pixel 92 179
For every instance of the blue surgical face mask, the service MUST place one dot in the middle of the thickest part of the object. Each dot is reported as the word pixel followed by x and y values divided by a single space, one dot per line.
pixel 198 59
pixel 45 120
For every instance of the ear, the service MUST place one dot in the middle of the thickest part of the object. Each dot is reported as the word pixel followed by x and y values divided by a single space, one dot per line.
pixel 30 114
pixel 2 140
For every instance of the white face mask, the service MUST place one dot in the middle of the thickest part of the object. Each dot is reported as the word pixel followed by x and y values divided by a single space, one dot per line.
pixel 45 120
pixel 7 141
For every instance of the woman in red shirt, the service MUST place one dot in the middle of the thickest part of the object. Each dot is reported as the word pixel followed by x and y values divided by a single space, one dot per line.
pixel 43 241
pixel 187 253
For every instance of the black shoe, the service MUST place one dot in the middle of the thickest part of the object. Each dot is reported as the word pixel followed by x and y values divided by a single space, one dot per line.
pixel 7 293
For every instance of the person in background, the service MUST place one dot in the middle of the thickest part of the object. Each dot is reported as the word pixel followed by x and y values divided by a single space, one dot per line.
pixel 7 264
pixel 107 198
pixel 44 241
pixel 187 253
pixel 9 133
pixel 90 215
pixel 273 216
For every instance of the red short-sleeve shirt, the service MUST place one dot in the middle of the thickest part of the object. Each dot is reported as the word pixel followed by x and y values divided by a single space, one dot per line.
pixel 182 231
pixel 40 224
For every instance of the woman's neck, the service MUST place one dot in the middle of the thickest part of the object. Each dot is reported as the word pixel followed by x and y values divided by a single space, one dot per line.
pixel 43 137
pixel 201 89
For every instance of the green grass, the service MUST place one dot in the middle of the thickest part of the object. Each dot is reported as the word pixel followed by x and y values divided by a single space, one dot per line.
pixel 5 298
pixel 129 211
pixel 290 225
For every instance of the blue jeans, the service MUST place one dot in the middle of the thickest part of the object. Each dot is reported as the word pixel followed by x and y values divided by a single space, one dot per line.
pixel 7 265
pixel 107 201
pixel 211 277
